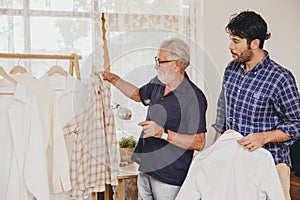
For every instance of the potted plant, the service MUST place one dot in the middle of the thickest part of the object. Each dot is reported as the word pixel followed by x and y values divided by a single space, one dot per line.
pixel 126 145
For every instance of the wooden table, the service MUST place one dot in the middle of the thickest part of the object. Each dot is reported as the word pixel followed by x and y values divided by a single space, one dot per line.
pixel 126 172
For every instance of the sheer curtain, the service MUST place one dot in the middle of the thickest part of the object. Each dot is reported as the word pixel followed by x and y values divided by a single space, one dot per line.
pixel 135 30
pixel 56 27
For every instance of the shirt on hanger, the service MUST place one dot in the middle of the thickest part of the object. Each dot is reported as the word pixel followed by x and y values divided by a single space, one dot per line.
pixel 70 99
pixel 23 168
pixel 95 153
pixel 58 165
pixel 227 171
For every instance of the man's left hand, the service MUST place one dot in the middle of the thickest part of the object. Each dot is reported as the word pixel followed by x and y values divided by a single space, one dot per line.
pixel 151 129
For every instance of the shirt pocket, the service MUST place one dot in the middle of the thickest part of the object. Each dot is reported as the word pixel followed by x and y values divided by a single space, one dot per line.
pixel 259 104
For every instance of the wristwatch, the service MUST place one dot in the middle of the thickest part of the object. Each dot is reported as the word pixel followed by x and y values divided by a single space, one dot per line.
pixel 164 135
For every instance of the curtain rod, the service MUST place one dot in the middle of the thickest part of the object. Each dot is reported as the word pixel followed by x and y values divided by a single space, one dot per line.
pixel 40 56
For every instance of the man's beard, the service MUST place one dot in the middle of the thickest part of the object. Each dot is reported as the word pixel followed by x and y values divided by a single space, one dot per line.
pixel 244 57
pixel 165 78
pixel 161 77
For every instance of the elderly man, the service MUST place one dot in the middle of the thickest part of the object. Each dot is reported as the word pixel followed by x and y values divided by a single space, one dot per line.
pixel 175 125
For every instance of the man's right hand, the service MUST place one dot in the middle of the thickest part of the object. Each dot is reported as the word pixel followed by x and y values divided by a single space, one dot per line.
pixel 125 87
pixel 110 77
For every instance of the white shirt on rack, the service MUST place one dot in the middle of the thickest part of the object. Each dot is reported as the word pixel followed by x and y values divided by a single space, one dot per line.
pixel 70 95
pixel 23 168
pixel 227 171
pixel 70 99
pixel 58 165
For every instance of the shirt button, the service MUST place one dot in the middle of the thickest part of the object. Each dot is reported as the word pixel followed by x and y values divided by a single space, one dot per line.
pixel 162 98
pixel 239 91
pixel 255 73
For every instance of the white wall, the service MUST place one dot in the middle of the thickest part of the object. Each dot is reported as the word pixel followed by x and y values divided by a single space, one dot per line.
pixel 283 19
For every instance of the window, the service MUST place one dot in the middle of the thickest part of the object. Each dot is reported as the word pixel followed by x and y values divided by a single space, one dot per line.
pixel 47 27
pixel 135 28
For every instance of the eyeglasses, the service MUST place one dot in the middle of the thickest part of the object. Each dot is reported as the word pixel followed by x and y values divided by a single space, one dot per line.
pixel 158 62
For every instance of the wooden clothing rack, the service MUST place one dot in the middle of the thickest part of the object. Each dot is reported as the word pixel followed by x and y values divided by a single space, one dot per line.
pixel 74 59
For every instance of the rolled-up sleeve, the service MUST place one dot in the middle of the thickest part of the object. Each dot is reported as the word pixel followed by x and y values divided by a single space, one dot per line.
pixel 220 123
pixel 288 108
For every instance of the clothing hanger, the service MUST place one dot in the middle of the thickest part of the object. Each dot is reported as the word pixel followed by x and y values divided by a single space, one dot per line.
pixel 7 77
pixel 18 68
pixel 229 131
pixel 57 69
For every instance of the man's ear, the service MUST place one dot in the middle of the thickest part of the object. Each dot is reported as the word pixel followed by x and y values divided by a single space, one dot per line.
pixel 179 65
pixel 255 43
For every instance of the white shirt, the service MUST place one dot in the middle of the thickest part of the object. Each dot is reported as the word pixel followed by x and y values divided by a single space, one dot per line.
pixel 70 95
pixel 70 99
pixel 227 171
pixel 58 165
pixel 23 168
pixel 45 98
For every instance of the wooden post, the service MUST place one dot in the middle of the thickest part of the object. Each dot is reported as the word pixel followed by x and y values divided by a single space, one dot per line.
pixel 106 64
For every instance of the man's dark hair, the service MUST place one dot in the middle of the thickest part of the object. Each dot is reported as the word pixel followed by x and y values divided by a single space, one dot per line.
pixel 249 25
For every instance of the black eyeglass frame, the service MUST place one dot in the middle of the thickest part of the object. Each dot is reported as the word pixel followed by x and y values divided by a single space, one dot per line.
pixel 158 62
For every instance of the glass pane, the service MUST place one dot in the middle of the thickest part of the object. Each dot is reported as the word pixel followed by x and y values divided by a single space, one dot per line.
pixel 11 34
pixel 60 36
pixel 11 38
pixel 18 4
pixel 59 5
pixel 157 7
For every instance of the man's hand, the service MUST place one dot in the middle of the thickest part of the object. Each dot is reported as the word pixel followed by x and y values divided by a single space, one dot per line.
pixel 253 141
pixel 110 77
pixel 125 87
pixel 151 129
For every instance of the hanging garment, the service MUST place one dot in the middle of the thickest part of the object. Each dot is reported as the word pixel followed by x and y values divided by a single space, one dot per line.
pixel 95 153
pixel 45 98
pixel 57 158
pixel 70 95
pixel 227 171
pixel 23 168
pixel 70 99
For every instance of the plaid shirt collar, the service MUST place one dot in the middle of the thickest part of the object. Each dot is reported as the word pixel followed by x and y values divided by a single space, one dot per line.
pixel 262 64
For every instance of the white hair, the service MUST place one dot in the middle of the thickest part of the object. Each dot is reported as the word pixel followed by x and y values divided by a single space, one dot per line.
pixel 178 49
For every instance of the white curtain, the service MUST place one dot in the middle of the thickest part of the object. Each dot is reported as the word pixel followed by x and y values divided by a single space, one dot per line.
pixel 135 30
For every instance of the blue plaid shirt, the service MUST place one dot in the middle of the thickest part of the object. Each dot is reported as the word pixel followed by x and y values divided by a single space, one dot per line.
pixel 264 99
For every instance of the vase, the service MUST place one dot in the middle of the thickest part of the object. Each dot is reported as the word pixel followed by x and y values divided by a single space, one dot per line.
pixel 125 154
